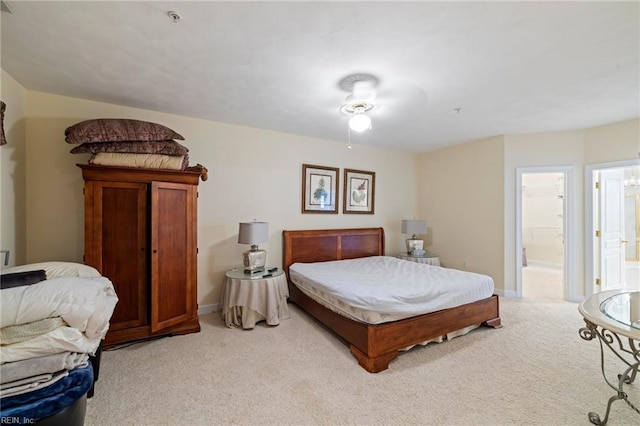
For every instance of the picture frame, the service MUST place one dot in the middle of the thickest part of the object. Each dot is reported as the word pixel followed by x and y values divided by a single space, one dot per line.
pixel 359 192
pixel 320 189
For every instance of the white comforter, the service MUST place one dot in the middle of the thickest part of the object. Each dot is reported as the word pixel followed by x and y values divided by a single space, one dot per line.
pixel 84 303
pixel 62 339
pixel 51 327
pixel 389 285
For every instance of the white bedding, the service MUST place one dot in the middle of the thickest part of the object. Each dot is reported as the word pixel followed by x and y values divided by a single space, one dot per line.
pixel 14 371
pixel 83 303
pixel 33 383
pixel 21 332
pixel 52 326
pixel 56 269
pixel 62 339
pixel 379 289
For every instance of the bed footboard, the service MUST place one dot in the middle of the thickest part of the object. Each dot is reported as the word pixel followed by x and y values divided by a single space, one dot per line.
pixel 375 346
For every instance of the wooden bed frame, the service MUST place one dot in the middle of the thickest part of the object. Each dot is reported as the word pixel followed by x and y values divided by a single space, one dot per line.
pixel 374 346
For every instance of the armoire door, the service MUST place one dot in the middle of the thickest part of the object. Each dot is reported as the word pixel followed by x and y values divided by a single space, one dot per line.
pixel 173 254
pixel 116 245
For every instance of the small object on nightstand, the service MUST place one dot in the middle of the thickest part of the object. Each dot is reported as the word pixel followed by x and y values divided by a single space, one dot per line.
pixel 267 275
pixel 273 269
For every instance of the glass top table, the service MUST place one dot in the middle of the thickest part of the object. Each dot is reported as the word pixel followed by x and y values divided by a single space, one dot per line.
pixel 238 273
pixel 615 310
pixel 623 308
pixel 613 318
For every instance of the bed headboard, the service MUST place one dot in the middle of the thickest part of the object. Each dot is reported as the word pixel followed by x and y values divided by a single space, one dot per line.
pixel 320 245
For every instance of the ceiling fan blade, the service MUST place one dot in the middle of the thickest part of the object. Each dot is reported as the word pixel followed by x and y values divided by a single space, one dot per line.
pixel 403 95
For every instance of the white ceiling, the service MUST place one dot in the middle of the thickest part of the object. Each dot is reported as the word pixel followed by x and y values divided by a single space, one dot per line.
pixel 511 67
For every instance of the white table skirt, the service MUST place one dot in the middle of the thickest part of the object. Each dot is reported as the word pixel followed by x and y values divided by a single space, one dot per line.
pixel 429 260
pixel 248 301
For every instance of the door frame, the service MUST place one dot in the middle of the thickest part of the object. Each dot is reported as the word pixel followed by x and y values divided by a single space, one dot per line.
pixel 589 217
pixel 636 200
pixel 568 226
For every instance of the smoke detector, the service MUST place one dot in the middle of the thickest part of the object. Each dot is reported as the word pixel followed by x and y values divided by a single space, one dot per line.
pixel 174 16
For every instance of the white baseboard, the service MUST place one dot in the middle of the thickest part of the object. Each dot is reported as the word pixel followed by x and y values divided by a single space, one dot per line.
pixel 207 309
pixel 577 299
pixel 511 294
pixel 542 264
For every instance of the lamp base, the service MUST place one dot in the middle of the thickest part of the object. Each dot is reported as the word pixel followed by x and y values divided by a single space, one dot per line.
pixel 414 245
pixel 254 261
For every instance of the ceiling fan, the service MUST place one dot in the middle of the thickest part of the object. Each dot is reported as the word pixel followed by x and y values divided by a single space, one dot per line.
pixel 361 101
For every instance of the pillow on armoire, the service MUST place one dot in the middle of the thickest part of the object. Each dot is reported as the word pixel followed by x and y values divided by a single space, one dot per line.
pixel 118 129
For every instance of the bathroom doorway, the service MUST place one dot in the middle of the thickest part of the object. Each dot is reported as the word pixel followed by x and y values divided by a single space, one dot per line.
pixel 544 234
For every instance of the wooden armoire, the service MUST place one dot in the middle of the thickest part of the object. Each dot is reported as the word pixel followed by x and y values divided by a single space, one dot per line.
pixel 141 233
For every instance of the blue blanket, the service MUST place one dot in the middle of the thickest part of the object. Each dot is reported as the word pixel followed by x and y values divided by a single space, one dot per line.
pixel 33 406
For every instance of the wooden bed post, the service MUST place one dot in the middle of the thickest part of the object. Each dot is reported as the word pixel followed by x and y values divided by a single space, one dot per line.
pixel 373 365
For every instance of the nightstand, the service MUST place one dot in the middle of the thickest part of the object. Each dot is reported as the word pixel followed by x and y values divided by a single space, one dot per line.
pixel 250 298
pixel 429 258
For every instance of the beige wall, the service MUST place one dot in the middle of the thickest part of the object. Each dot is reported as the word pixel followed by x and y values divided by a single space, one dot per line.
pixel 13 172
pixel 461 197
pixel 613 142
pixel 467 194
pixel 461 218
pixel 575 149
pixel 543 150
pixel 253 173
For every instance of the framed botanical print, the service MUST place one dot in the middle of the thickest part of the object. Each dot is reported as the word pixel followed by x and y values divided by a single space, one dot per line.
pixel 359 191
pixel 320 189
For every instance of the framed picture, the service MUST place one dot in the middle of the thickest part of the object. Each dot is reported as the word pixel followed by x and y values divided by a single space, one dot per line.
pixel 359 191
pixel 320 189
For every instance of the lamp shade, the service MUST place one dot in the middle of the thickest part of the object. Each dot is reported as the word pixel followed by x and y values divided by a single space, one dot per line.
pixel 414 226
pixel 253 233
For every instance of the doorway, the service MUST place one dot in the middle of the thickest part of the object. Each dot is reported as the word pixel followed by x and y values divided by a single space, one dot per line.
pixel 543 233
pixel 632 231
pixel 632 222
pixel 612 259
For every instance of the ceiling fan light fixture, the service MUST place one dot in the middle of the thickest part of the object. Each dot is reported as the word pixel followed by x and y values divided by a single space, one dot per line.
pixel 360 122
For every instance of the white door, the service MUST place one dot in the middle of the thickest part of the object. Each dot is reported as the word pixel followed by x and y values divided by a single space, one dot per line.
pixel 611 227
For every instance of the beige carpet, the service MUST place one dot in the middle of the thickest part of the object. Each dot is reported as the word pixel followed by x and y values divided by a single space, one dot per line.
pixel 542 282
pixel 545 282
pixel 536 370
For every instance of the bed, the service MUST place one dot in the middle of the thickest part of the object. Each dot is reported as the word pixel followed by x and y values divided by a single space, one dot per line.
pixel 54 316
pixel 374 345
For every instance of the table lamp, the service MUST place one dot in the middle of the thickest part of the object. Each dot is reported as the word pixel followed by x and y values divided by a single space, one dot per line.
pixel 253 233
pixel 414 245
